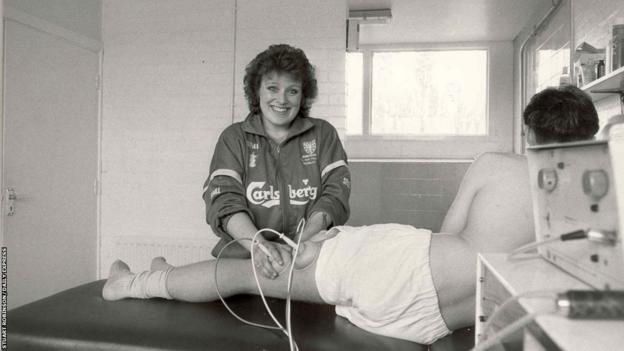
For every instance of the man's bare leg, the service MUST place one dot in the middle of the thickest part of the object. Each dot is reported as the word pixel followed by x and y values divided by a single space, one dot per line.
pixel 196 282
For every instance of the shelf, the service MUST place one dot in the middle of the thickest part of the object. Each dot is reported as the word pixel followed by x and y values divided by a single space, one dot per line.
pixel 609 81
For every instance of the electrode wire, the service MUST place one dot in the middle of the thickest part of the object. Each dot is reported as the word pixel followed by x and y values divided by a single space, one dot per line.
pixel 223 300
pixel 508 330
pixel 293 345
pixel 546 294
pixel 254 241
pixel 266 305
pixel 529 247
pixel 575 235
pixel 298 232
pixel 517 325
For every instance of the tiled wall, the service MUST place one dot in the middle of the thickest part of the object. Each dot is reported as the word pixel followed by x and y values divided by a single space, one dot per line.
pixel 593 21
pixel 172 81
pixel 412 193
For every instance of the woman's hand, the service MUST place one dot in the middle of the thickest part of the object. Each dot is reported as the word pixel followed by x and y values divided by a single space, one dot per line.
pixel 271 265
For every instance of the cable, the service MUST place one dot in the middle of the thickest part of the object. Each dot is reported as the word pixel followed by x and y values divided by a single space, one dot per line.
pixel 266 305
pixel 574 235
pixel 508 330
pixel 221 297
pixel 573 304
pixel 288 330
pixel 255 273
pixel 552 294
pixel 298 232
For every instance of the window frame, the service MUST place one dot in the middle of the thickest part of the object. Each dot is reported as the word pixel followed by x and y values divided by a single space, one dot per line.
pixel 499 137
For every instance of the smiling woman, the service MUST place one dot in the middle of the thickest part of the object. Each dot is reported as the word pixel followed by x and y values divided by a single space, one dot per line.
pixel 278 166
pixel 280 98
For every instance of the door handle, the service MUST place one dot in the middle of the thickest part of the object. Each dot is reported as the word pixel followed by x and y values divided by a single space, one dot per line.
pixel 10 196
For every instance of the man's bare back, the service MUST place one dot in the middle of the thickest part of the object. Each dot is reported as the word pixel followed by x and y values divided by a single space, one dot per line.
pixel 491 213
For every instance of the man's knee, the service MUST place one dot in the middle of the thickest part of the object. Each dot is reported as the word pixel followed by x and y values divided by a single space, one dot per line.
pixel 308 253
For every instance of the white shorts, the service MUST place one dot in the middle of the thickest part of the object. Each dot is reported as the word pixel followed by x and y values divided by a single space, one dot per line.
pixel 379 279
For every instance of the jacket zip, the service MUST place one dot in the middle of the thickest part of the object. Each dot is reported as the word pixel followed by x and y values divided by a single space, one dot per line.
pixel 283 194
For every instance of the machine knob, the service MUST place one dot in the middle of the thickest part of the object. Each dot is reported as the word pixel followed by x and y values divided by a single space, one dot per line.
pixel 547 179
pixel 595 183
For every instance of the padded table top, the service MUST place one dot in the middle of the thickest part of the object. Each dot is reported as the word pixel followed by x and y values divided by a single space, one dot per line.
pixel 80 319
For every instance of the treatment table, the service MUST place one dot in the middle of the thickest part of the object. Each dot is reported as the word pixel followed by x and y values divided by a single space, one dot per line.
pixel 79 319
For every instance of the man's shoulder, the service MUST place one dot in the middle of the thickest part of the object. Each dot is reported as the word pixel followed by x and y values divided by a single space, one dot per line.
pixel 506 156
pixel 501 159
pixel 492 167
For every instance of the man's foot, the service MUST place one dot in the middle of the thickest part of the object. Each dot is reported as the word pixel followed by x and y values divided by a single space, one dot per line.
pixel 160 264
pixel 117 286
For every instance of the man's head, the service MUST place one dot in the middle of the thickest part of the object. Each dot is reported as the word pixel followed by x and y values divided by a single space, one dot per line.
pixel 560 114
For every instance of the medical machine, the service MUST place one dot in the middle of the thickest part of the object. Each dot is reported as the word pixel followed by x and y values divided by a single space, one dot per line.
pixel 578 207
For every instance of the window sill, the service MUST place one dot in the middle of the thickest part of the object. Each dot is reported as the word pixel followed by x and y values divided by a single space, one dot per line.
pixel 429 148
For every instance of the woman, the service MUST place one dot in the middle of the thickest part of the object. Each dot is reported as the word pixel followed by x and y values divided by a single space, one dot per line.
pixel 278 166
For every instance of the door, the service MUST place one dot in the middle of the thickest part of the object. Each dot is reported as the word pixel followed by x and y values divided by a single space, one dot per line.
pixel 50 162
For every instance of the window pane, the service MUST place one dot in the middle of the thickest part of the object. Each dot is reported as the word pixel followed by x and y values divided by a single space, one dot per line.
pixel 429 93
pixel 354 78
pixel 552 53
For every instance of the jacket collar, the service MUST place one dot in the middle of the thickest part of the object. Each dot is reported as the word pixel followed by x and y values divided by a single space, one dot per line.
pixel 253 124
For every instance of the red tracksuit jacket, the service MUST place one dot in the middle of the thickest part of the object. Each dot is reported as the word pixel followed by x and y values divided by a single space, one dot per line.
pixel 277 184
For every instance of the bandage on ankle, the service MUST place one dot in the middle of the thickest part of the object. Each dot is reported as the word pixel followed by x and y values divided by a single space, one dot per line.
pixel 150 284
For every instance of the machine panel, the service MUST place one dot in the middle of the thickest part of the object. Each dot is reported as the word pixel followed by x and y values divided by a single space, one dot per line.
pixel 574 187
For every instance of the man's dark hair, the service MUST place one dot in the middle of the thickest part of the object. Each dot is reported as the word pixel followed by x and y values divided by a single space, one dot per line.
pixel 561 114
pixel 280 58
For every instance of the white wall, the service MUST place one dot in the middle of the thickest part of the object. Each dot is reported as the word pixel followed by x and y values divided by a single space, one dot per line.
pixel 172 81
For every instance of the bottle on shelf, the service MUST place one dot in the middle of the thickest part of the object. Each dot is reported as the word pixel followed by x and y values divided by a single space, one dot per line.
pixel 600 69
pixel 618 46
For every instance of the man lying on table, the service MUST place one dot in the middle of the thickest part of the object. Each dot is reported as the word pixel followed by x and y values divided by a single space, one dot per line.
pixel 392 279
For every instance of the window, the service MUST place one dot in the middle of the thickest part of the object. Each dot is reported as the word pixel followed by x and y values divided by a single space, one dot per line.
pixel 420 93
pixel 546 60
pixel 551 51
pixel 429 102
pixel 355 77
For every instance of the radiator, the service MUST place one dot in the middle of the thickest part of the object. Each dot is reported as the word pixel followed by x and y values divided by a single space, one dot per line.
pixel 138 251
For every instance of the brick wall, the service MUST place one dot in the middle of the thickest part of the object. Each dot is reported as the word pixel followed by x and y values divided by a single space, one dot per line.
pixel 415 193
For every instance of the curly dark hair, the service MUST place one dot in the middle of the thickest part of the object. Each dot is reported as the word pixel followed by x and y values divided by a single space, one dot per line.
pixel 561 114
pixel 280 58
